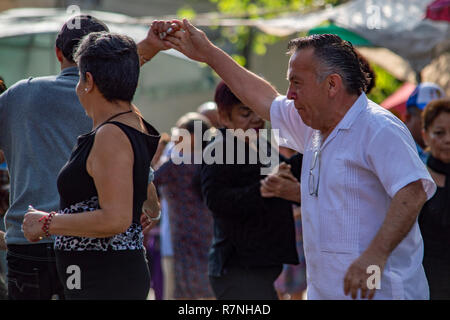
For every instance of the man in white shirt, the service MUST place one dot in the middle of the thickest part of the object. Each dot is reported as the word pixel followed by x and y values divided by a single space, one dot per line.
pixel 362 184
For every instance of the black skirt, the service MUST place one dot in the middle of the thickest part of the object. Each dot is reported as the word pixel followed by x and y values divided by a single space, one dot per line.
pixel 104 275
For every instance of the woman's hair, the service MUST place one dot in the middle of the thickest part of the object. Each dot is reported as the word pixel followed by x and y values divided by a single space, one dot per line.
pixel 335 56
pixel 224 98
pixel 113 61
pixel 433 110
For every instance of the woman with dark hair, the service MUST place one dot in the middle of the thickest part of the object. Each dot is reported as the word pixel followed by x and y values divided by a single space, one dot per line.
pixel 99 241
pixel 191 225
pixel 434 219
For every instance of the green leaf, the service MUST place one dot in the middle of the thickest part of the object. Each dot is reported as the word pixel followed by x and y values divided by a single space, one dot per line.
pixel 385 84
pixel 239 59
pixel 186 12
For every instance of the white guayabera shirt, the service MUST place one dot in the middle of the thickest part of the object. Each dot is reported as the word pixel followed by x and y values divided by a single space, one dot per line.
pixel 348 182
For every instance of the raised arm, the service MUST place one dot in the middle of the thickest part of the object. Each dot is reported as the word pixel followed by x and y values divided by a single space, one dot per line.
pixel 152 44
pixel 252 90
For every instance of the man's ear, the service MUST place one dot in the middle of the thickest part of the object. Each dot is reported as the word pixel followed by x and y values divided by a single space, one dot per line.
pixel 59 54
pixel 334 84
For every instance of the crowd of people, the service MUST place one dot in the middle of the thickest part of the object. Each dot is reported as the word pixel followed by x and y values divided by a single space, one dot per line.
pixel 93 185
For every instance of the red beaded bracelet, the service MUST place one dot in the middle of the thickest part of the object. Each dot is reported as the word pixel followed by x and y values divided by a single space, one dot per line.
pixel 48 219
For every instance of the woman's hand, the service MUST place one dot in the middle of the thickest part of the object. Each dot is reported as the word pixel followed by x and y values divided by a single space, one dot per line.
pixel 32 225
pixel 190 41
pixel 281 184
pixel 153 42
pixel 158 31
pixel 147 224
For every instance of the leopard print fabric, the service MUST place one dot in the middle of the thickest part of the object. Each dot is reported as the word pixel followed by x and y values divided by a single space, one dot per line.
pixel 131 239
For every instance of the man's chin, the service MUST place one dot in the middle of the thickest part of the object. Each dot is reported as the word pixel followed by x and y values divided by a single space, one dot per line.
pixel 304 119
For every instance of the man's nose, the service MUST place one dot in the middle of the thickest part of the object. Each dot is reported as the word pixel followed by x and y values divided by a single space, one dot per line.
pixel 291 95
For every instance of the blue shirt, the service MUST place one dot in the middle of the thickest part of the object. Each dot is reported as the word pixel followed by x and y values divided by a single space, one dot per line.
pixel 422 154
pixel 40 120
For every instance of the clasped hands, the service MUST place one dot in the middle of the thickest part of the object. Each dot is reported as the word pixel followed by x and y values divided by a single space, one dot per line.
pixel 178 35
pixel 281 183
pixel 32 224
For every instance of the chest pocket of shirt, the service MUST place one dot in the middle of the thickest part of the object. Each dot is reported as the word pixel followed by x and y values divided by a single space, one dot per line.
pixel 338 215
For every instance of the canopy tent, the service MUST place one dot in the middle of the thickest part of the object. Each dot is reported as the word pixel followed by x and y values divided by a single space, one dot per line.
pixel 439 10
pixel 345 34
pixel 27 39
pixel 398 25
pixel 396 30
pixel 397 101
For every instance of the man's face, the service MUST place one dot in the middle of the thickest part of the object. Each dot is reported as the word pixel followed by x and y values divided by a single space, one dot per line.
pixel 310 96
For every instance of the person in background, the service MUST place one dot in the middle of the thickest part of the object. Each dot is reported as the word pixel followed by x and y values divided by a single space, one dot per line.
pixel 2 85
pixel 423 94
pixel 209 110
pixel 284 183
pixel 4 203
pixel 166 248
pixel 4 197
pixel 191 223
pixel 434 219
pixel 152 234
pixel 253 236
pixel 151 208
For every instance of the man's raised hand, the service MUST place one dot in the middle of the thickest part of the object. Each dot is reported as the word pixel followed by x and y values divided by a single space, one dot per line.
pixel 190 41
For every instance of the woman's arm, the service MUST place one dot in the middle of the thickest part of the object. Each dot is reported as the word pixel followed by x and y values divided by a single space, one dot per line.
pixel 152 44
pixel 151 206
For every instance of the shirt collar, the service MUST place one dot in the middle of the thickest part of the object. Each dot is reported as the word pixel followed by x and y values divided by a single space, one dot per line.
pixel 70 71
pixel 353 112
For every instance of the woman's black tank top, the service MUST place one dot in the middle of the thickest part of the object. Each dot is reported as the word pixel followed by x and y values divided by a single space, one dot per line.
pixel 78 192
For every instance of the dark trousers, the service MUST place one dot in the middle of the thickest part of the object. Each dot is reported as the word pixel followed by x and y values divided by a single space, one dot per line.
pixel 32 273
pixel 104 275
pixel 239 283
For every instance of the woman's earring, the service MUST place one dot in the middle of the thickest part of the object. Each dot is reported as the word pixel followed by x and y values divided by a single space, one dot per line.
pixel 86 89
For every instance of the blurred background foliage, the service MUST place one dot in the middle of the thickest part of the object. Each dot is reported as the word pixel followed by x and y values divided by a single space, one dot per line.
pixel 385 84
pixel 243 41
